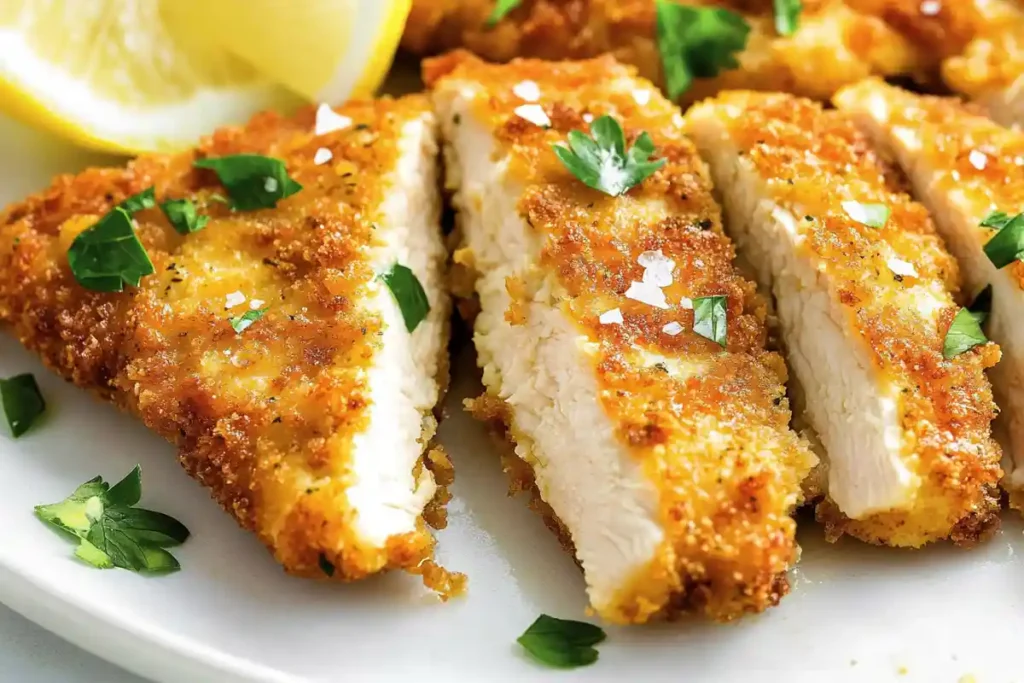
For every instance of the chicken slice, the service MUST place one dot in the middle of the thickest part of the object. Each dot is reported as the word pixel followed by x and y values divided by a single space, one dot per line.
pixel 837 42
pixel 310 424
pixel 963 167
pixel 863 311
pixel 665 461
pixel 990 70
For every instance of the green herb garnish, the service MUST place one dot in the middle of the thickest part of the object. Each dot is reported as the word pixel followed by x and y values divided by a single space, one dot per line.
pixel 871 215
pixel 140 201
pixel 501 9
pixel 22 402
pixel 1007 245
pixel 408 293
pixel 111 531
pixel 602 161
pixel 326 566
pixel 243 322
pixel 183 217
pixel 109 255
pixel 787 16
pixel 252 181
pixel 562 643
pixel 697 42
pixel 965 331
pixel 709 318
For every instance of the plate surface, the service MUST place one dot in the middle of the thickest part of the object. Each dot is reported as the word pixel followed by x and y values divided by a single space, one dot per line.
pixel 855 612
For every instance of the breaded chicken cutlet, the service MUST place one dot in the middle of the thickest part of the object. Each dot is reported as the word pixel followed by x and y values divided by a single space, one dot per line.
pixel 266 345
pixel 965 167
pixel 665 459
pixel 990 70
pixel 836 42
pixel 866 294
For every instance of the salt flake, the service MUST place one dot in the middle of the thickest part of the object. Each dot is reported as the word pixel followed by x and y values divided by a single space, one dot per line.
pixel 612 317
pixel 328 121
pixel 322 156
pixel 534 113
pixel 234 299
pixel 901 267
pixel 647 293
pixel 672 329
pixel 526 90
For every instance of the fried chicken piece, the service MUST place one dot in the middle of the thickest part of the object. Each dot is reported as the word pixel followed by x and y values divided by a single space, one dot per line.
pixel 863 304
pixel 991 68
pixel 837 42
pixel 963 167
pixel 309 426
pixel 665 461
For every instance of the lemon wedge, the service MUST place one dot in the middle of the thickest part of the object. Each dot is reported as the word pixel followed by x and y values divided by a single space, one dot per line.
pixel 154 75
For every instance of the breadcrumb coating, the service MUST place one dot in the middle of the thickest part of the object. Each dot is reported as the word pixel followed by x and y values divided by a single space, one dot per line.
pixel 716 444
pixel 812 160
pixel 264 419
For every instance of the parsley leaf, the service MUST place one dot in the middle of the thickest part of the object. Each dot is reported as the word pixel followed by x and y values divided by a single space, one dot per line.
pixel 710 317
pixel 965 331
pixel 252 181
pixel 697 42
pixel 602 161
pixel 325 565
pixel 182 215
pixel 408 293
pixel 501 9
pixel 787 16
pixel 871 215
pixel 243 322
pixel 109 255
pixel 562 643
pixel 113 533
pixel 22 402
pixel 1007 245
pixel 138 202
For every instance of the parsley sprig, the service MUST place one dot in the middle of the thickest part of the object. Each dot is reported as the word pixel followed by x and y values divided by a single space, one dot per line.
pixel 787 16
pixel 22 402
pixel 409 294
pixel 111 531
pixel 710 317
pixel 252 181
pixel 562 643
pixel 602 161
pixel 697 42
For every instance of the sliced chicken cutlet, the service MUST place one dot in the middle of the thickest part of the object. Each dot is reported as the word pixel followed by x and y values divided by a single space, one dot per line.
pixel 836 42
pixel 665 459
pixel 308 424
pixel 964 167
pixel 990 70
pixel 865 293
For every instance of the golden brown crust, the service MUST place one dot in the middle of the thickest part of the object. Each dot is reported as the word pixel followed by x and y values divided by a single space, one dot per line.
pixel 264 419
pixel 812 161
pixel 725 507
pixel 994 59
pixel 837 42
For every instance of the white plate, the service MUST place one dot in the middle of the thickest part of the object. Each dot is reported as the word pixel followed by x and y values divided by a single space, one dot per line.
pixel 855 613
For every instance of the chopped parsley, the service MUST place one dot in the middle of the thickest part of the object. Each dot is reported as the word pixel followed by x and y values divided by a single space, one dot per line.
pixel 243 322
pixel 408 293
pixel 787 16
pixel 183 217
pixel 326 566
pixel 602 161
pixel 109 255
pixel 871 215
pixel 22 402
pixel 501 9
pixel 562 643
pixel 252 181
pixel 709 318
pixel 112 532
pixel 697 42
pixel 140 201
pixel 1007 245
pixel 965 331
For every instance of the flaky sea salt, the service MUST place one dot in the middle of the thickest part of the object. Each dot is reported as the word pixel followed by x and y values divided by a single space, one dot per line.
pixel 234 299
pixel 526 90
pixel 328 121
pixel 657 268
pixel 672 329
pixel 901 267
pixel 534 113
pixel 322 156
pixel 647 293
pixel 612 317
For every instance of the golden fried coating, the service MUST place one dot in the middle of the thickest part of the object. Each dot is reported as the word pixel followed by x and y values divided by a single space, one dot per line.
pixel 837 42
pixel 266 419
pixel 890 291
pixel 631 426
